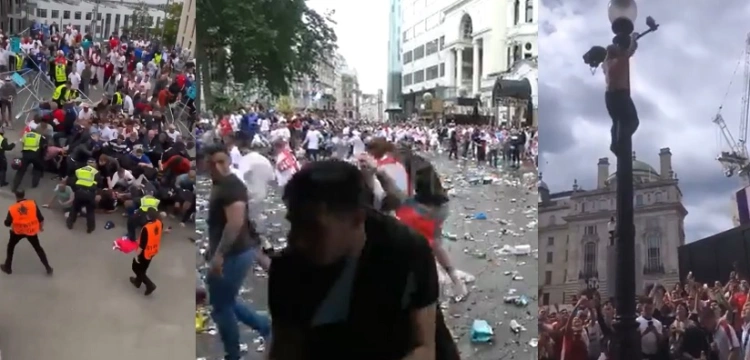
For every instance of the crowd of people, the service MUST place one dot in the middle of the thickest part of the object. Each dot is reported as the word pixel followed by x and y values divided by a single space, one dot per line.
pixel 121 152
pixel 688 321
pixel 323 138
pixel 342 182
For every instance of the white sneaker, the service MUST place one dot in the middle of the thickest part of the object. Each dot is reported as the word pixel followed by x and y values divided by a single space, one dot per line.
pixel 67 213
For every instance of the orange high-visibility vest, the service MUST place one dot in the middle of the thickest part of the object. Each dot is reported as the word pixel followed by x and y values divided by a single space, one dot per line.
pixel 24 217
pixel 154 231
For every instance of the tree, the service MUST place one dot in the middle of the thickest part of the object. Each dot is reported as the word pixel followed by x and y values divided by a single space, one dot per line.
pixel 140 21
pixel 269 43
pixel 167 30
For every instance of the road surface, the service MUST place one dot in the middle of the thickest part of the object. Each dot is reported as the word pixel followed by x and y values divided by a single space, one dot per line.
pixel 510 208
pixel 88 310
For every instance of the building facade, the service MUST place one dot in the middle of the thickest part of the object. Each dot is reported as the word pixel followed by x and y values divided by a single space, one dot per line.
pixel 317 93
pixel 372 107
pixel 106 16
pixel 14 15
pixel 393 90
pixel 349 94
pixel 574 246
pixel 458 48
pixel 186 29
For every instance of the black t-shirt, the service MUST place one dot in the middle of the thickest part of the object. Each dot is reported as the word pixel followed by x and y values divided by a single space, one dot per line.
pixel 224 193
pixel 394 275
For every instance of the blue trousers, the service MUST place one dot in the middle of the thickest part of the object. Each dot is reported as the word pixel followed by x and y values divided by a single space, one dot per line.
pixel 226 310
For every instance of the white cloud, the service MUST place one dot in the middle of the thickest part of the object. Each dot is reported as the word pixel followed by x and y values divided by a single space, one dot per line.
pixel 362 30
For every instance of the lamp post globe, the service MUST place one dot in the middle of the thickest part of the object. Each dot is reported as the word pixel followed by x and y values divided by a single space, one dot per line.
pixel 622 15
pixel 427 96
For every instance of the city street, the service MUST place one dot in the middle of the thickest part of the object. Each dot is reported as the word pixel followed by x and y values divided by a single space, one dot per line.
pixel 88 310
pixel 509 205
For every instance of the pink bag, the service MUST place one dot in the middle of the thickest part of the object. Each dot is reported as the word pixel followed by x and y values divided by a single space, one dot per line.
pixel 124 245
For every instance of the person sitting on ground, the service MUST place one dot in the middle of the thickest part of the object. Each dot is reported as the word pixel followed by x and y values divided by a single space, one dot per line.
pixel 63 196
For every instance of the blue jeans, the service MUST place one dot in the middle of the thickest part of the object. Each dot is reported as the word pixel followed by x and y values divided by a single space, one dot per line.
pixel 222 292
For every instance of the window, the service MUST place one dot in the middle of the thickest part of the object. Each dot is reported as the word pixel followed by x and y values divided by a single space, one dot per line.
pixel 407 57
pixel 442 42
pixel 442 69
pixel 98 29
pixel 408 34
pixel 55 14
pixel 431 47
pixel 407 79
pixel 545 299
pixel 589 258
pixel 547 277
pixel 657 197
pixel 639 200
pixel 529 11
pixel 418 76
pixel 432 72
pixel 98 16
pixel 125 20
pixel 653 251
pixel 66 15
pixel 432 22
pixel 87 29
pixel 590 230
pixel 528 46
pixel 419 52
pixel 566 255
pixel 41 13
pixel 516 12
pixel 550 257
pixel 89 16
pixel 77 15
pixel 551 241
pixel 419 29
pixel 77 27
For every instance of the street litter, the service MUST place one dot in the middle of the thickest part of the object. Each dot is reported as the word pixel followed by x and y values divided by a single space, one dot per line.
pixel 481 331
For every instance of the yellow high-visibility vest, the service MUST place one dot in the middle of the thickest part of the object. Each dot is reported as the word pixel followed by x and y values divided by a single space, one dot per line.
pixel 60 73
pixel 86 176
pixel 31 141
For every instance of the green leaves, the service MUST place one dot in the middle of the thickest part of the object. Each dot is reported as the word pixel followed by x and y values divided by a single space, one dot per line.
pixel 266 42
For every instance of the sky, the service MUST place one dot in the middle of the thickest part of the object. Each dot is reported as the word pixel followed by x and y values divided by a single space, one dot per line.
pixel 679 78
pixel 362 30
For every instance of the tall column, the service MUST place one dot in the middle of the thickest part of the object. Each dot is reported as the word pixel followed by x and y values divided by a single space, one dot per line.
pixel 459 67
pixel 476 72
pixel 450 68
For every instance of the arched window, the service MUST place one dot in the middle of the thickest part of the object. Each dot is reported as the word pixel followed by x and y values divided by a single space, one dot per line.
pixel 516 12
pixel 529 11
pixel 589 258
pixel 653 251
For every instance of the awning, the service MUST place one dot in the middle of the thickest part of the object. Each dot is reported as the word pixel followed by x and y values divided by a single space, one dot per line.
pixel 504 88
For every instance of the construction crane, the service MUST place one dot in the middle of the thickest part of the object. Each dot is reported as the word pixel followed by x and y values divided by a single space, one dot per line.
pixel 736 161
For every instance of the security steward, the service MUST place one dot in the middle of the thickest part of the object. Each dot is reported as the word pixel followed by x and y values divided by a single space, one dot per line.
pixel 86 179
pixel 149 243
pixel 117 99
pixel 33 148
pixel 25 221
pixel 63 93
pixel 61 73
pixel 140 217
pixel 19 58
pixel 5 145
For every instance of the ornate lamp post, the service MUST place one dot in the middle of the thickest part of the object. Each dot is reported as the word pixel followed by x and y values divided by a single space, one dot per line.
pixel 625 345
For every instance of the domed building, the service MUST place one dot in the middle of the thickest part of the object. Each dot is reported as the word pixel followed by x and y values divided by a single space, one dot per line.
pixel 575 249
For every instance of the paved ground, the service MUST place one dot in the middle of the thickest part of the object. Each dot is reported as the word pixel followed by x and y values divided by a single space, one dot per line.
pixel 88 310
pixel 510 208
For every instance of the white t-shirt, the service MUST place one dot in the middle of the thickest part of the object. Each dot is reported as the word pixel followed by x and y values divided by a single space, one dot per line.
pixel 127 105
pixel 313 139
pixel 281 133
pixel 75 80
pixel 649 343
